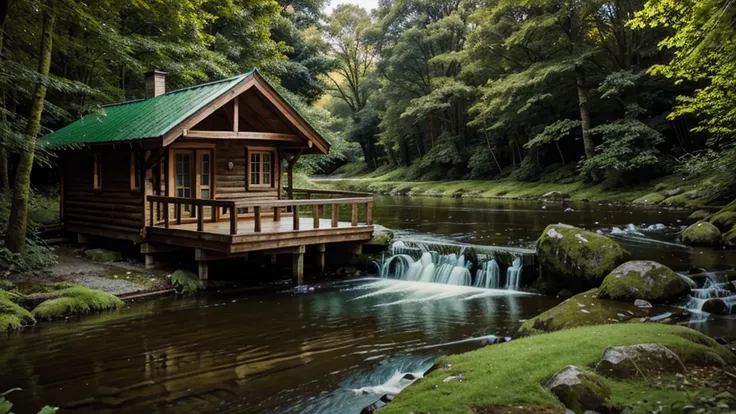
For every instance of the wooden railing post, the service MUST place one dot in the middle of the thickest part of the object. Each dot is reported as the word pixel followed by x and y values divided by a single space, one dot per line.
pixel 315 216
pixel 354 221
pixel 257 219
pixel 213 214
pixel 233 219
pixel 178 212
pixel 166 214
pixel 150 206
pixel 295 209
pixel 335 214
pixel 277 214
pixel 369 213
pixel 200 218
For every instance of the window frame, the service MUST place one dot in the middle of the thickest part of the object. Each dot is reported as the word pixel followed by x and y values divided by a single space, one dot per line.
pixel 136 161
pixel 261 151
pixel 97 171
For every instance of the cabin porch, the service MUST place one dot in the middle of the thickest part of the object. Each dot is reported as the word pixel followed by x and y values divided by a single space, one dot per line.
pixel 220 228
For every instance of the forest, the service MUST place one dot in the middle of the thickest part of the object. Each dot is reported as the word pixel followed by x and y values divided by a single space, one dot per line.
pixel 602 91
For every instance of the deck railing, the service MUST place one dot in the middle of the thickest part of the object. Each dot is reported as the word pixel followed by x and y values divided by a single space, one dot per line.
pixel 231 206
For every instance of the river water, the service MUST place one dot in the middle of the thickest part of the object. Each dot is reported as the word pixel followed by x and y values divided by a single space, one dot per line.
pixel 335 349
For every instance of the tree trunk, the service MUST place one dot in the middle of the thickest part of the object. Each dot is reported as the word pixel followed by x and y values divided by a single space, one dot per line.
pixel 584 113
pixel 16 236
pixel 4 178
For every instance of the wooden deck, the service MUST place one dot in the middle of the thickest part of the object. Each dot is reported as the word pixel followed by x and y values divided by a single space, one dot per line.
pixel 232 236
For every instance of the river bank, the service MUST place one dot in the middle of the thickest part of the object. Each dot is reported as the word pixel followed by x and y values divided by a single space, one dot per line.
pixel 672 191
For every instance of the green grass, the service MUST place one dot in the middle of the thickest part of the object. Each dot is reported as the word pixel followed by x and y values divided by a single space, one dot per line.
pixel 514 373
pixel 389 182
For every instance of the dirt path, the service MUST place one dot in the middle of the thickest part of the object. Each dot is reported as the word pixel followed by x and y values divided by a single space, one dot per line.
pixel 117 278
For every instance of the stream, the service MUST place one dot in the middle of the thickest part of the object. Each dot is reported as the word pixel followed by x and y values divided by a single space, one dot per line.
pixel 334 349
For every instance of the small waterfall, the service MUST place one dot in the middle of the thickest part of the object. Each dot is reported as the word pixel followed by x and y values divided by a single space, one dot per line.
pixel 487 267
pixel 513 275
pixel 449 269
pixel 488 276
pixel 711 286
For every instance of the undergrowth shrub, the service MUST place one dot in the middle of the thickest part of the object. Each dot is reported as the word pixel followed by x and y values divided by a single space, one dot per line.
pixel 38 255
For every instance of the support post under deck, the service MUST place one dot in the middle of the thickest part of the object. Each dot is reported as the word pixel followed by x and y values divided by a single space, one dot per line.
pixel 202 270
pixel 298 266
pixel 321 257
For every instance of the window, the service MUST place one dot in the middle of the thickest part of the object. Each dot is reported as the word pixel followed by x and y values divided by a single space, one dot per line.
pixel 261 168
pixel 97 180
pixel 135 171
pixel 183 175
pixel 204 174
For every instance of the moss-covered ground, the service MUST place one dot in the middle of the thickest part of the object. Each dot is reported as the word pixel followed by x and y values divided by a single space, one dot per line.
pixel 387 181
pixel 76 300
pixel 514 373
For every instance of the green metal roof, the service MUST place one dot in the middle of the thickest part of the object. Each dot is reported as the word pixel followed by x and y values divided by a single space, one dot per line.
pixel 142 119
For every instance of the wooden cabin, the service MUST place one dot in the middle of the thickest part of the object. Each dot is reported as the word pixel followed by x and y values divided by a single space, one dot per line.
pixel 202 169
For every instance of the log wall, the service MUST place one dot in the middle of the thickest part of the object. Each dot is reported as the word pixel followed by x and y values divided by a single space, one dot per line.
pixel 113 211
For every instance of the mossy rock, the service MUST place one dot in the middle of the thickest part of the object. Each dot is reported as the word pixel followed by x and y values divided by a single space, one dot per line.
pixel 186 282
pixel 724 220
pixel 579 391
pixel 690 198
pixel 643 279
pixel 730 237
pixel 77 300
pixel 651 198
pixel 632 361
pixel 12 315
pixel 698 215
pixel 103 255
pixel 382 236
pixel 701 233
pixel 577 259
pixel 583 309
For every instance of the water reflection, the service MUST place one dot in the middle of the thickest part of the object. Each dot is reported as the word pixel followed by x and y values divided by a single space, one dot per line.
pixel 251 354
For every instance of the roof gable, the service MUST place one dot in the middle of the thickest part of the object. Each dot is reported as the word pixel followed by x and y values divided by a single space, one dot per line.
pixel 168 116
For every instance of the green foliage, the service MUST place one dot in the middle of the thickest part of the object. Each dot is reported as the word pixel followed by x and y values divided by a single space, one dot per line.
pixel 42 209
pixel 186 282
pixel 76 300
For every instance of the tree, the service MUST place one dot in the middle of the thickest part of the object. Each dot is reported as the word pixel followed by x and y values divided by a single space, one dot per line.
pixel 348 32
pixel 16 233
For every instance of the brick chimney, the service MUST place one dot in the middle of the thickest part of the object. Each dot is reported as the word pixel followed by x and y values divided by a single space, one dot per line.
pixel 155 83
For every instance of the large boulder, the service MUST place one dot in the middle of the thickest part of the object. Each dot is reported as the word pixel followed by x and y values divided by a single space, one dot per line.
pixel 719 306
pixel 698 215
pixel 581 310
pixel 644 279
pixel 701 233
pixel 579 391
pixel 651 198
pixel 576 259
pixel 633 361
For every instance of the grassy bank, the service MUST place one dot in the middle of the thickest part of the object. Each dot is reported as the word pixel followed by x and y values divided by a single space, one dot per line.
pixel 692 192
pixel 513 374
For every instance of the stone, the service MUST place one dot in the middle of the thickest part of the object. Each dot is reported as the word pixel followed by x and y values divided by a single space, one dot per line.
pixel 642 304
pixel 717 306
pixel 579 391
pixel 102 255
pixel 582 309
pixel 701 233
pixel 642 361
pixel 644 279
pixel 576 259
pixel 698 215
pixel 673 192
pixel 382 236
pixel 730 237
pixel 724 220
pixel 554 196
